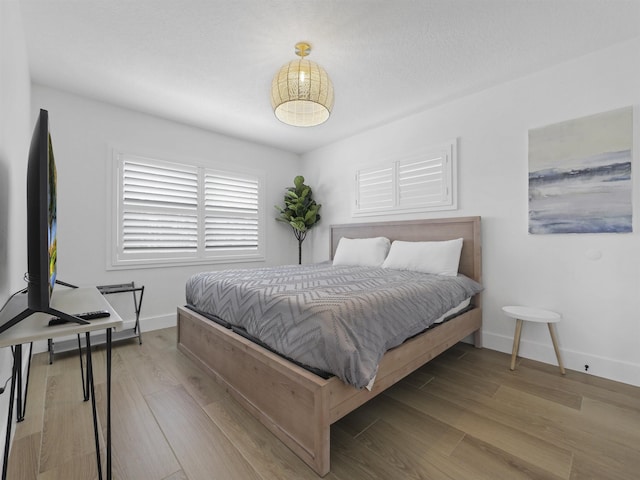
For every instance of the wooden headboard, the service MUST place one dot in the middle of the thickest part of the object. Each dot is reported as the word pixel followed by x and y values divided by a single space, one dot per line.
pixel 467 228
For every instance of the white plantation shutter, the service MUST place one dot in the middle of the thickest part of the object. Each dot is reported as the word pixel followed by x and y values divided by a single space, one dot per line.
pixel 169 213
pixel 375 189
pixel 159 207
pixel 421 182
pixel 231 211
pixel 424 181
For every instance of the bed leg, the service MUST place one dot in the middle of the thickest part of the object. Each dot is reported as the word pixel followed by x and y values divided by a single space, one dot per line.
pixel 477 338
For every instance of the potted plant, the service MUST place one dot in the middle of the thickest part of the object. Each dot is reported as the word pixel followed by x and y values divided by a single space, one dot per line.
pixel 300 211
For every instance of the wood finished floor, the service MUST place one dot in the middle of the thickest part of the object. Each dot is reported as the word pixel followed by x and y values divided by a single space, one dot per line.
pixel 465 415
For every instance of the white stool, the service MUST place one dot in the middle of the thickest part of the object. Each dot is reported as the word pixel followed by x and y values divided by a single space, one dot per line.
pixel 531 314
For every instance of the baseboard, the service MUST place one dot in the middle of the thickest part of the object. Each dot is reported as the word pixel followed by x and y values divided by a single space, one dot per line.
pixel 155 323
pixel 612 369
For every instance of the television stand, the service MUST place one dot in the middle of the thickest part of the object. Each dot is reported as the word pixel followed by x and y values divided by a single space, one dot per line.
pixel 35 328
pixel 100 339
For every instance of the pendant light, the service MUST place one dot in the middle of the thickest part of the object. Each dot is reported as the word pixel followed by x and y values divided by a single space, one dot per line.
pixel 302 92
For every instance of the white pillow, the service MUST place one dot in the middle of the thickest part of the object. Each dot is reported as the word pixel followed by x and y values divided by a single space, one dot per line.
pixel 365 252
pixel 440 258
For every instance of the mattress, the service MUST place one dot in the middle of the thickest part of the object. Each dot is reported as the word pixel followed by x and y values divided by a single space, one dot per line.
pixel 337 319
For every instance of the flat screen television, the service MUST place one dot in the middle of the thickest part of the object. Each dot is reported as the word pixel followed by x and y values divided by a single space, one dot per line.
pixel 42 222
pixel 41 217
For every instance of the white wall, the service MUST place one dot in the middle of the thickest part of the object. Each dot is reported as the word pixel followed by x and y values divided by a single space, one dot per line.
pixel 15 132
pixel 83 133
pixel 15 135
pixel 598 298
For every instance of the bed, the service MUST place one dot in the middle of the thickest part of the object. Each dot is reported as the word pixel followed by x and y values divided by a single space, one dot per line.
pixel 299 406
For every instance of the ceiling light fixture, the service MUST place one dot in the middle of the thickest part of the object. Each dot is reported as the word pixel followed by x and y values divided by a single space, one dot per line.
pixel 302 92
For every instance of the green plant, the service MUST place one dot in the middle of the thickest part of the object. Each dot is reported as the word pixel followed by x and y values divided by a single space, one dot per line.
pixel 300 211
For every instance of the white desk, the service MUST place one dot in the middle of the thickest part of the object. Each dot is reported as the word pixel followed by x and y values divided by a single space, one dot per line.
pixel 33 328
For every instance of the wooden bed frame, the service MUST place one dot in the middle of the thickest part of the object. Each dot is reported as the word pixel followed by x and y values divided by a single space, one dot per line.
pixel 298 406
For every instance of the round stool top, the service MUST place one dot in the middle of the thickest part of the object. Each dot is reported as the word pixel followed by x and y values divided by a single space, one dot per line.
pixel 531 314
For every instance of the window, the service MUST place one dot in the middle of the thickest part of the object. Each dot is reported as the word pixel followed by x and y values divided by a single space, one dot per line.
pixel 175 213
pixel 420 182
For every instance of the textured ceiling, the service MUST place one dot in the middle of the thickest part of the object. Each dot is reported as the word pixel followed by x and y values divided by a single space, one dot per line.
pixel 209 63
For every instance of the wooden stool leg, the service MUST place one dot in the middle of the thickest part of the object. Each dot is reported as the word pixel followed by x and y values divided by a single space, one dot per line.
pixel 555 347
pixel 516 343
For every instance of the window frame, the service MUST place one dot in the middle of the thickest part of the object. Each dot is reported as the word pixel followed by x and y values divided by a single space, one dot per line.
pixel 118 259
pixel 394 201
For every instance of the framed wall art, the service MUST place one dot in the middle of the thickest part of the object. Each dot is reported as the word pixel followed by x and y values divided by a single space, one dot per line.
pixel 580 175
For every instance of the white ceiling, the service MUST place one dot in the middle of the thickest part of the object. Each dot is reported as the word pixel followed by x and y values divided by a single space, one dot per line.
pixel 210 63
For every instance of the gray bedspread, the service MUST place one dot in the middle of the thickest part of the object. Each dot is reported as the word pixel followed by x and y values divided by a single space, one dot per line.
pixel 338 319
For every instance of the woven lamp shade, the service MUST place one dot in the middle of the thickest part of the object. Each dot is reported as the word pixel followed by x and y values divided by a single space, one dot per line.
pixel 302 93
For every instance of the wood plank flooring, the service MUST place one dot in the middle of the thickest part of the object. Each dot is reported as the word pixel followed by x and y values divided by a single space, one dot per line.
pixel 465 415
